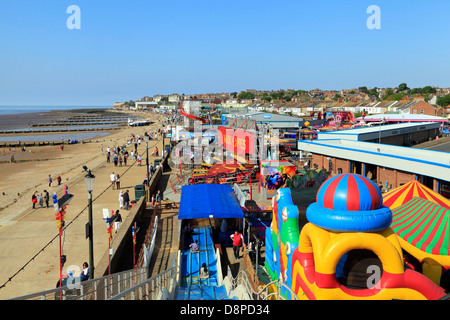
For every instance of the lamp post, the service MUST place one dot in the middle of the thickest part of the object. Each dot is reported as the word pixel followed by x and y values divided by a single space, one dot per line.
pixel 147 138
pixel 89 180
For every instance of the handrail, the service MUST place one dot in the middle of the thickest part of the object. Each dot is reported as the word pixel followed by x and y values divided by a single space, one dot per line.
pixel 243 279
pixel 94 289
pixel 149 289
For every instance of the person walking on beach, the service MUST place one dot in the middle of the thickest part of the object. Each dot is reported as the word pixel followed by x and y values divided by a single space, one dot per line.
pixel 118 181
pixel 126 199
pixel 46 197
pixel 58 179
pixel 112 177
pixel 41 201
pixel 50 180
pixel 108 155
pixel 34 200
pixel 238 241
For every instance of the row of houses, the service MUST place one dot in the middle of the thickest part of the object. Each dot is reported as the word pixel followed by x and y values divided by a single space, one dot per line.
pixel 370 107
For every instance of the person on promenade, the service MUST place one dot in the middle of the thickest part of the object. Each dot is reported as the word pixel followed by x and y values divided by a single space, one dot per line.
pixel 158 197
pixel 126 200
pixel 112 177
pixel 118 221
pixel 121 199
pixel 85 272
pixel 156 152
pixel 46 197
pixel 50 180
pixel 238 241
pixel 118 181
pixel 34 200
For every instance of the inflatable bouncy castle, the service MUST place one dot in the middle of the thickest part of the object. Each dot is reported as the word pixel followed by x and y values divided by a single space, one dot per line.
pixel 346 250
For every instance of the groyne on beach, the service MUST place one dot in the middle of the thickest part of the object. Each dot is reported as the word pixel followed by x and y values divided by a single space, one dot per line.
pixel 25 250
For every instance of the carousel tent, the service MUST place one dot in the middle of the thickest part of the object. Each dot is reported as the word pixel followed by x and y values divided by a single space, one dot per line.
pixel 401 195
pixel 423 230
pixel 424 225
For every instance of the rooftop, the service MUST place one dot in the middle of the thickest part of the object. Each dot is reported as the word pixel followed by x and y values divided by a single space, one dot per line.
pixel 380 131
pixel 425 162
pixel 401 117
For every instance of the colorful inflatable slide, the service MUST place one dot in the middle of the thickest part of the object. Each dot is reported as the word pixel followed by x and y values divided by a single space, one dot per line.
pixel 347 250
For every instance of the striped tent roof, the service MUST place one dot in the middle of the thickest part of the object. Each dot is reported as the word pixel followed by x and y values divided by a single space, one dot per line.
pixel 423 224
pixel 401 195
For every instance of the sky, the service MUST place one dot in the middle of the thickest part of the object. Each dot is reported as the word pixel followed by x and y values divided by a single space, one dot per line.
pixel 125 50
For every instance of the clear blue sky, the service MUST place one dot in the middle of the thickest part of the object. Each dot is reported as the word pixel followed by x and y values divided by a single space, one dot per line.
pixel 128 49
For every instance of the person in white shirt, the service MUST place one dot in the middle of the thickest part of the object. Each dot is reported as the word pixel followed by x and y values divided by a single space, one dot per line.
pixel 121 199
pixel 112 177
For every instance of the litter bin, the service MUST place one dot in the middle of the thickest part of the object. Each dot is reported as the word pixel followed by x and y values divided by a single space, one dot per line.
pixel 139 191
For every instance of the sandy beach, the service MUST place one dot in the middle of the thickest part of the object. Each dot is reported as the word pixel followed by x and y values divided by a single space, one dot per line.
pixel 18 182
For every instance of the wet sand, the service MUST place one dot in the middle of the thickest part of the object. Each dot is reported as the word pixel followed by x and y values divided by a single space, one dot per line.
pixel 23 120
pixel 23 231
pixel 32 167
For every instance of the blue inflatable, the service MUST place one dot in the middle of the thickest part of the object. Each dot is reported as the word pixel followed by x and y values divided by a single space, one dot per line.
pixel 349 203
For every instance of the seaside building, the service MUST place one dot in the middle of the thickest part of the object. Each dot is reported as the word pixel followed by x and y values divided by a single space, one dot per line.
pixel 276 121
pixel 389 165
pixel 401 117
pixel 145 105
pixel 400 134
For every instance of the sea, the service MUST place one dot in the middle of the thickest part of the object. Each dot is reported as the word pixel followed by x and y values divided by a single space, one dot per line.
pixel 28 109
pixel 78 136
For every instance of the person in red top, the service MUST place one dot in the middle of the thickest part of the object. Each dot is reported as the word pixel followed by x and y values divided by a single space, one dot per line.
pixel 238 241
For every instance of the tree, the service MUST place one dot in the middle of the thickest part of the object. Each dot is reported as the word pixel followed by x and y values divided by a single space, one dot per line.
pixel 443 101
pixel 389 92
pixel 363 90
pixel 246 95
pixel 337 97
pixel 402 87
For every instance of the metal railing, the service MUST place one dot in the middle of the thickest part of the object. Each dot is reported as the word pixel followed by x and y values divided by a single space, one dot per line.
pixel 96 289
pixel 159 287
pixel 245 282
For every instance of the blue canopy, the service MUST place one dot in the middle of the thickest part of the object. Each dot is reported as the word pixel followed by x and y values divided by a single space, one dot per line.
pixel 209 201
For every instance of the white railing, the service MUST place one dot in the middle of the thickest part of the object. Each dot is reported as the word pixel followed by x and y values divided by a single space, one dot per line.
pixel 243 283
pixel 96 289
pixel 159 287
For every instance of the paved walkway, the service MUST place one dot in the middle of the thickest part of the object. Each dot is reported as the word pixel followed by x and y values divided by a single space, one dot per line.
pixel 30 244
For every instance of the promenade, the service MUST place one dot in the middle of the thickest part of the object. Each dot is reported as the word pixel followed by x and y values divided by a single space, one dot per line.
pixel 29 242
